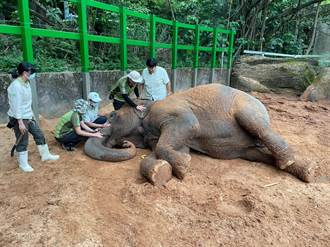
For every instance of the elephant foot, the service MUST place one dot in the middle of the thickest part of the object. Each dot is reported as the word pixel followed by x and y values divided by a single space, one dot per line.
pixel 180 168
pixel 158 172
pixel 285 164
pixel 305 172
pixel 286 158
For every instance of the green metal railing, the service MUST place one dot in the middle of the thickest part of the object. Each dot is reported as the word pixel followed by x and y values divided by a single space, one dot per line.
pixel 27 32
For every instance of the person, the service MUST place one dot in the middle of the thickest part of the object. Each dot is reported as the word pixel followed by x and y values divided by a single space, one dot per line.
pixel 91 117
pixel 21 117
pixel 121 90
pixel 68 131
pixel 156 81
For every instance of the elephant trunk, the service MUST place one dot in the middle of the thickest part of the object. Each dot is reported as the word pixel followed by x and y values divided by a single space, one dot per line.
pixel 95 148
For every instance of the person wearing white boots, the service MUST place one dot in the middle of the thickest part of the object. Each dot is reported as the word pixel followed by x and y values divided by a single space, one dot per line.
pixel 21 116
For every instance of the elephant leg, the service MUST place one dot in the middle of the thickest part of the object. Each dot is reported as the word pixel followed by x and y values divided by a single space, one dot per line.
pixel 157 171
pixel 171 147
pixel 299 169
pixel 257 125
pixel 257 155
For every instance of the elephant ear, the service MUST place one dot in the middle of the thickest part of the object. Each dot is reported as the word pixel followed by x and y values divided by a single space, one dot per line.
pixel 147 104
pixel 141 114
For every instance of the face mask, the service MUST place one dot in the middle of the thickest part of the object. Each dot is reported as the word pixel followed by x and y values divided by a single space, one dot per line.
pixel 31 77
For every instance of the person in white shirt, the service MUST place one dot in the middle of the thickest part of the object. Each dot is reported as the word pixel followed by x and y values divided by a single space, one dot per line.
pixel 21 117
pixel 156 84
pixel 91 118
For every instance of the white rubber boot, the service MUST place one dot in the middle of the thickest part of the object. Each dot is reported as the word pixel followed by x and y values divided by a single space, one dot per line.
pixel 45 154
pixel 22 158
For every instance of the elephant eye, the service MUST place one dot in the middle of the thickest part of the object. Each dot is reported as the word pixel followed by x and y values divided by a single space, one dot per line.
pixel 112 115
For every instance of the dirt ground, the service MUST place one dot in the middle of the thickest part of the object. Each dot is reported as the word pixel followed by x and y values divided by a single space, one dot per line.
pixel 78 201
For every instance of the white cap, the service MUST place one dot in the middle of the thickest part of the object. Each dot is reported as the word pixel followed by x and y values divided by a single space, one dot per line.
pixel 135 76
pixel 94 96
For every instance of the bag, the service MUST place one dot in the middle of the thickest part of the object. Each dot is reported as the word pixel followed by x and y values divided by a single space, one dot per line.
pixel 12 122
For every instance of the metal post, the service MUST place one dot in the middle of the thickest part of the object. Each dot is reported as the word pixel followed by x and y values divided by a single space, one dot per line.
pixel 24 16
pixel 230 49
pixel 84 48
pixel 123 39
pixel 174 54
pixel 230 54
pixel 214 53
pixel 196 55
pixel 152 36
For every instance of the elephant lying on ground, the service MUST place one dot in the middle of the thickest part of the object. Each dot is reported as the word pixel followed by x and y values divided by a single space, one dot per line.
pixel 214 119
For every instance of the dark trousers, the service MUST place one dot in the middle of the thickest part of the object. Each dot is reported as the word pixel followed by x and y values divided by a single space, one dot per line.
pixel 33 128
pixel 100 120
pixel 117 104
pixel 71 139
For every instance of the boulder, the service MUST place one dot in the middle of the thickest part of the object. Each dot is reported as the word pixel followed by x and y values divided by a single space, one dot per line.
pixel 320 90
pixel 257 73
pixel 248 84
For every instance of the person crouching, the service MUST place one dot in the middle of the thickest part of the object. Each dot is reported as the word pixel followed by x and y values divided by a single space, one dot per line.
pixel 68 131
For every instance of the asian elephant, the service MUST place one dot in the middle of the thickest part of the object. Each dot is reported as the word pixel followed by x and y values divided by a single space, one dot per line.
pixel 213 119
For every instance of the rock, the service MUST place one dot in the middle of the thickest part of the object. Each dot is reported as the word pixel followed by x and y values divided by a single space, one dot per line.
pixel 320 90
pixel 254 73
pixel 248 84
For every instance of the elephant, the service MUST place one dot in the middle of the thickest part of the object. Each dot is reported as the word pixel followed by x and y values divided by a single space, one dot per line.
pixel 214 119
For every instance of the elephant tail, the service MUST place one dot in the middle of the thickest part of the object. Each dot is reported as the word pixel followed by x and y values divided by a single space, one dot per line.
pixel 94 148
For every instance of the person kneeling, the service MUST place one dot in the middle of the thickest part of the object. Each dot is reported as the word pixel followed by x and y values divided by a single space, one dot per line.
pixel 68 131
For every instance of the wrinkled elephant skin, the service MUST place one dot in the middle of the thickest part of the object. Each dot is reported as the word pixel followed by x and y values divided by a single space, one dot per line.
pixel 214 119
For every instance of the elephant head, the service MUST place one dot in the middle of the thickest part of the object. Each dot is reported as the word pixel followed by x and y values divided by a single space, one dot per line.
pixel 121 138
pixel 125 124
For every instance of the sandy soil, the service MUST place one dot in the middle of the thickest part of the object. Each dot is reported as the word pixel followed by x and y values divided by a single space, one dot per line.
pixel 78 201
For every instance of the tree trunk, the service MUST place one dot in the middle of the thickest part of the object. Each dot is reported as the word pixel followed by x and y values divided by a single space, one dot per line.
pixel 296 31
pixel 263 27
pixel 229 12
pixel 314 29
pixel 172 11
pixel 293 10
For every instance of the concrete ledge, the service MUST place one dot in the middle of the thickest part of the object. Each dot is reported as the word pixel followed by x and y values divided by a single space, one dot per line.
pixel 57 91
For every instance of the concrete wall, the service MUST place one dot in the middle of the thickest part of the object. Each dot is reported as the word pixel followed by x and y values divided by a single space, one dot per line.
pixel 57 91
pixel 322 40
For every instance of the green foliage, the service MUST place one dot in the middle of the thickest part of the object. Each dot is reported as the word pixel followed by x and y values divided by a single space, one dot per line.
pixel 11 53
pixel 283 34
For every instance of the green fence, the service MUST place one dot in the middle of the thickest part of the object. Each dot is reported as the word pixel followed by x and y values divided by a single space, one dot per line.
pixel 27 32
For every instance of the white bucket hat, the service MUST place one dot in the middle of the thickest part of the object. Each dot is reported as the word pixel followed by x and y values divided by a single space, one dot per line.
pixel 135 76
pixel 94 96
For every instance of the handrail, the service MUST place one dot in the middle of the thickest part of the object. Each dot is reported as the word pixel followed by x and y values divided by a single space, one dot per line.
pixel 27 32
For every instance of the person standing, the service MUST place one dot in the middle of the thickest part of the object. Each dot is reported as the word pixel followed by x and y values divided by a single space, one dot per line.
pixel 122 89
pixel 91 118
pixel 68 131
pixel 156 81
pixel 21 117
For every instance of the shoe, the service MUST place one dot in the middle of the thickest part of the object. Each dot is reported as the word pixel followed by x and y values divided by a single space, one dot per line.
pixel 22 158
pixel 45 154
